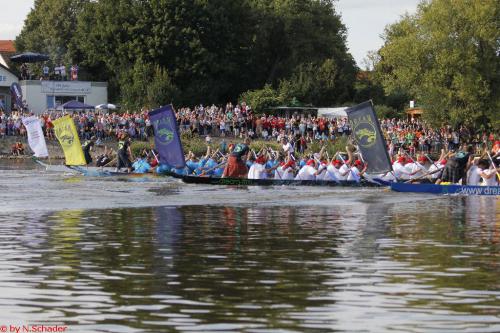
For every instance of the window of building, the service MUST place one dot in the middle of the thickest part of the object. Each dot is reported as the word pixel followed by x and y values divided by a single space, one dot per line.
pixel 60 100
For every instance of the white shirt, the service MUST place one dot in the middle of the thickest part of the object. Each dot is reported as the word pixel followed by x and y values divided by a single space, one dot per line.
pixel 288 148
pixel 332 173
pixel 307 172
pixel 418 168
pixel 473 176
pixel 257 171
pixel 344 169
pixel 400 171
pixel 433 168
pixel 491 181
pixel 284 174
pixel 354 175
pixel 321 172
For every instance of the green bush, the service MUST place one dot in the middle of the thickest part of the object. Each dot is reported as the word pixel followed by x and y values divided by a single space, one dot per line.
pixel 194 144
pixel 138 146
pixel 339 145
pixel 261 99
pixel 260 144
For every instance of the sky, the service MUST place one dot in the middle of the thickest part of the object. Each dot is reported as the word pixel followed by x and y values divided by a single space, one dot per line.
pixel 365 20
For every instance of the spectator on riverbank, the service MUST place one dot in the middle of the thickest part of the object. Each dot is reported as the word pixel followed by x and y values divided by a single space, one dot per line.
pixel 239 121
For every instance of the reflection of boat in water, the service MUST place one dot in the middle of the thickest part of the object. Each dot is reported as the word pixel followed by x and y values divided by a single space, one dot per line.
pixel 269 182
pixel 446 189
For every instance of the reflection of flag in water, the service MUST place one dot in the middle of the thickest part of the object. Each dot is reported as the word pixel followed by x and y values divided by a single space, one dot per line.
pixel 66 133
pixel 367 134
pixel 167 140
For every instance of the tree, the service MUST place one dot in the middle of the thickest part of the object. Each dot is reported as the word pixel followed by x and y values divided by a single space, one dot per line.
pixel 446 56
pixel 211 51
pixel 262 99
pixel 49 29
pixel 147 85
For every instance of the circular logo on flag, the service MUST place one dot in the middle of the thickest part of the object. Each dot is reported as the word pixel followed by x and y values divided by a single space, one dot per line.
pixel 366 134
pixel 67 139
pixel 165 136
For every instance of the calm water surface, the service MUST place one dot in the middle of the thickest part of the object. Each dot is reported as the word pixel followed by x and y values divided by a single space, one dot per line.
pixel 154 255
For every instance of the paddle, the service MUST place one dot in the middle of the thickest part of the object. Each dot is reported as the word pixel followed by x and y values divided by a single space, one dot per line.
pixel 493 163
pixel 423 176
pixel 156 158
pixel 204 172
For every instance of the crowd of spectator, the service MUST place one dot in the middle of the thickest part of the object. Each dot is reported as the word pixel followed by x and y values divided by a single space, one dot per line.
pixel 239 121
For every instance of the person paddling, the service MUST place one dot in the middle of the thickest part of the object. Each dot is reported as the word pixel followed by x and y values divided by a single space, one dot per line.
pixel 124 153
pixel 87 147
pixel 235 167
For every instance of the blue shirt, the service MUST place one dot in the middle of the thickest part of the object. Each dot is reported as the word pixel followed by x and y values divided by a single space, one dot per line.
pixel 141 166
pixel 163 168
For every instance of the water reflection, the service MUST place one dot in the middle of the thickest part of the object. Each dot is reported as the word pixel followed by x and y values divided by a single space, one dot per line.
pixel 421 266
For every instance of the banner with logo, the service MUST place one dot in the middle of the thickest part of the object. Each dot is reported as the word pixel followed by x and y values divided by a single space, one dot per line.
pixel 17 95
pixel 36 140
pixel 167 139
pixel 369 138
pixel 65 131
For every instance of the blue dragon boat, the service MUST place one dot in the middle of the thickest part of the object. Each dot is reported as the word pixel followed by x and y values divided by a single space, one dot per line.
pixel 446 189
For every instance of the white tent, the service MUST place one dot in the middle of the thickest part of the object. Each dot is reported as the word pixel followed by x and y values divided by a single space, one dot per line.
pixel 332 112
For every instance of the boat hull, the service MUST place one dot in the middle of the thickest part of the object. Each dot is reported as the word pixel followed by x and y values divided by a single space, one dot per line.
pixel 446 189
pixel 269 182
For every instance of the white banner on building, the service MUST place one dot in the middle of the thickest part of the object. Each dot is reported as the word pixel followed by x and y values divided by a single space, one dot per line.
pixel 36 140
pixel 66 87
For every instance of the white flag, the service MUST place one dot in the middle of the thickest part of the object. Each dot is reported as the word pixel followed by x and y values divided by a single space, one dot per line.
pixel 36 139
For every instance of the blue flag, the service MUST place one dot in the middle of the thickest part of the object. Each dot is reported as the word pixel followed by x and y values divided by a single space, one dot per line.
pixel 167 139
pixel 367 134
pixel 17 94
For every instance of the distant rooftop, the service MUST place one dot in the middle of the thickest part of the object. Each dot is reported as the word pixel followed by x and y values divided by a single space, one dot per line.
pixel 7 46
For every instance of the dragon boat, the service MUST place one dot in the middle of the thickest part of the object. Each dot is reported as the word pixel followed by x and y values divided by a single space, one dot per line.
pixel 269 182
pixel 446 189
pixel 83 170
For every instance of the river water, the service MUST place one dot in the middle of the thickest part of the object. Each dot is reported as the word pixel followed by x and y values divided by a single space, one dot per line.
pixel 152 254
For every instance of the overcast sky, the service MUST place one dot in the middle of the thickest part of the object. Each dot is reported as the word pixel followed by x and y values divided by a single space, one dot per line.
pixel 365 20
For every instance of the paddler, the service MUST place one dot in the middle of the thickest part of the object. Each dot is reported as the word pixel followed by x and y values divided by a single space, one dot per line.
pixel 124 153
pixel 473 173
pixel 332 171
pixel 400 170
pixel 455 168
pixel 308 171
pixel 104 158
pixel 141 165
pixel 357 171
pixel 258 169
pixel 235 167
pixel 87 147
pixel 488 173
pixel 285 170
pixel 419 167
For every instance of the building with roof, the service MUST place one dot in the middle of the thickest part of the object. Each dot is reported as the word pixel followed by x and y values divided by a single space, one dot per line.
pixel 6 80
pixel 7 49
pixel 43 95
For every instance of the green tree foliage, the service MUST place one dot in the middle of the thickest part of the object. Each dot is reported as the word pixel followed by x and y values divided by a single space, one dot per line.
pixel 384 112
pixel 49 28
pixel 161 91
pixel 262 99
pixel 446 56
pixel 211 51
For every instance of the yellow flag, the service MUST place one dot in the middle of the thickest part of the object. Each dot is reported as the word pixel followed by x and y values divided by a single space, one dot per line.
pixel 66 133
